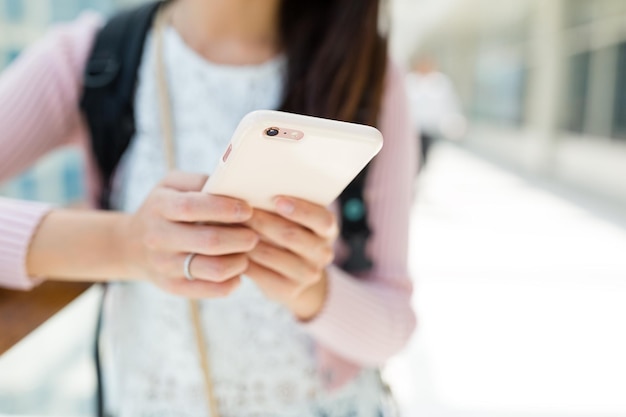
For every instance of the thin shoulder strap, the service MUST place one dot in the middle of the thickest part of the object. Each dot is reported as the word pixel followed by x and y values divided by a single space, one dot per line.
pixel 109 87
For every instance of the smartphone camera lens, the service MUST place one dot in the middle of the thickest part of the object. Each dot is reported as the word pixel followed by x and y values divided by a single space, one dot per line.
pixel 272 131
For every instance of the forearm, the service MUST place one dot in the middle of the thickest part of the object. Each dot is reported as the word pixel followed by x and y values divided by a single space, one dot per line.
pixel 151 244
pixel 79 245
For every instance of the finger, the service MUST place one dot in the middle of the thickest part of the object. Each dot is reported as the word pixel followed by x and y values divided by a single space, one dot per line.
pixel 273 285
pixel 184 181
pixel 209 240
pixel 200 289
pixel 314 217
pixel 192 206
pixel 285 263
pixel 289 235
pixel 210 268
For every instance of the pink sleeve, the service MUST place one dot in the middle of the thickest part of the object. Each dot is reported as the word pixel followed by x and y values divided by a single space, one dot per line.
pixel 39 112
pixel 18 222
pixel 368 319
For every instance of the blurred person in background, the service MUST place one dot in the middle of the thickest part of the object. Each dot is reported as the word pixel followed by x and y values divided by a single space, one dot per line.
pixel 297 335
pixel 434 104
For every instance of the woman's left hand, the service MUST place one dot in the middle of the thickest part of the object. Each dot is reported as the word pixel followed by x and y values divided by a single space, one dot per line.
pixel 289 263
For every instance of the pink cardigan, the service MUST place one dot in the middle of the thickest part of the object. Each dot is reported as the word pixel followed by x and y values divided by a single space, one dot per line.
pixel 364 321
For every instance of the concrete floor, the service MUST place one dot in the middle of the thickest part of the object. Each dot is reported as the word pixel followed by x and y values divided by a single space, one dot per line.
pixel 520 291
pixel 521 296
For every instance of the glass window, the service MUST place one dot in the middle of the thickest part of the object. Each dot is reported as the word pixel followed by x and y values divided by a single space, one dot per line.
pixel 72 177
pixel 13 10
pixel 576 92
pixel 27 187
pixel 103 6
pixel 578 12
pixel 499 87
pixel 11 54
pixel 608 8
pixel 63 10
pixel 619 126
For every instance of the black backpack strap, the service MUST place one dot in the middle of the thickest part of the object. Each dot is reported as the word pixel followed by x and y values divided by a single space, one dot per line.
pixel 107 105
pixel 355 230
pixel 109 88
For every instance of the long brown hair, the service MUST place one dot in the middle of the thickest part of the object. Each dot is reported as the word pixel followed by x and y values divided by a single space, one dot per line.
pixel 336 58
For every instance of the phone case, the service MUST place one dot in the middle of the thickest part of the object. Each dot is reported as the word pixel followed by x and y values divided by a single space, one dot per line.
pixel 309 158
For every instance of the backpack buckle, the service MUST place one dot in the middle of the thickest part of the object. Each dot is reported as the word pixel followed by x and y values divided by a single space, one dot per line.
pixel 101 71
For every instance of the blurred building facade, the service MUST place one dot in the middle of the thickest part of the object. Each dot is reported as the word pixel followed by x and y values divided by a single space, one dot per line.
pixel 544 83
pixel 59 177
pixel 24 21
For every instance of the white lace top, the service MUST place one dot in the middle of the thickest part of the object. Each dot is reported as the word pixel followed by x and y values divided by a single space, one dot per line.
pixel 263 362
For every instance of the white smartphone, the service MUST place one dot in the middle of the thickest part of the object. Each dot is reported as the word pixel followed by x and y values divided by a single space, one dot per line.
pixel 275 153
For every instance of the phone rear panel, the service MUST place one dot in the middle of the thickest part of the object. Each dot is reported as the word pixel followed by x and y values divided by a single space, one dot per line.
pixel 306 157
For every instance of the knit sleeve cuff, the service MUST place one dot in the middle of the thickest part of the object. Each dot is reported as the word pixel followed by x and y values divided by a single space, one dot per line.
pixel 339 283
pixel 18 223
pixel 361 320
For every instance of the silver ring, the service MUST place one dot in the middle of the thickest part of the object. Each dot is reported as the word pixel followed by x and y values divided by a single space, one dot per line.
pixel 187 265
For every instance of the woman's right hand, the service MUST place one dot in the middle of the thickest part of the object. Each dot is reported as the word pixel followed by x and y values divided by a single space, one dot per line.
pixel 176 219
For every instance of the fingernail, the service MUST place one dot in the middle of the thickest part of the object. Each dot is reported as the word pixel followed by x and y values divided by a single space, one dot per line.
pixel 284 206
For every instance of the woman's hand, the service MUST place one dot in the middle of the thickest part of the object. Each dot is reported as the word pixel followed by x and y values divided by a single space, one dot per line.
pixel 289 263
pixel 177 219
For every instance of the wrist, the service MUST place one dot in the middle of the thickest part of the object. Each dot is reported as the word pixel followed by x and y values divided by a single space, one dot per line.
pixel 123 253
pixel 79 245
pixel 311 301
